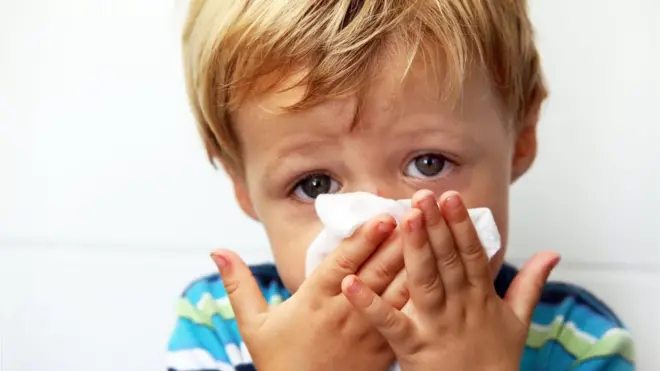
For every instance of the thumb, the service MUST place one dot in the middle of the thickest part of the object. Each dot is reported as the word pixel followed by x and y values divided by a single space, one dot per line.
pixel 525 290
pixel 244 293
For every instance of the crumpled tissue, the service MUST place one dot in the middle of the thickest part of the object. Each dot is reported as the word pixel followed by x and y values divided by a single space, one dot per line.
pixel 342 213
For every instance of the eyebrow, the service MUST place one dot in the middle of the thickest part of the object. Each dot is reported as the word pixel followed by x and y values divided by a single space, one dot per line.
pixel 297 149
pixel 434 129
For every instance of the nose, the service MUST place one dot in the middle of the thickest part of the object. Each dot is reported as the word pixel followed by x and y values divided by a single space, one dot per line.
pixel 386 191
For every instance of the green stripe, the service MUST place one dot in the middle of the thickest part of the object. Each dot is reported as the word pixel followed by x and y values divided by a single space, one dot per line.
pixel 615 343
pixel 208 307
pixel 186 310
pixel 618 343
pixel 275 300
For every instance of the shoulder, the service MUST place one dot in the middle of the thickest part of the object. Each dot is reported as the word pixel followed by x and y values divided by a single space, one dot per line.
pixel 209 293
pixel 579 329
pixel 206 335
pixel 573 329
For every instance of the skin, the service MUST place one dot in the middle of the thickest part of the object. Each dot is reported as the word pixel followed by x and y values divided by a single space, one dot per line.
pixel 404 143
pixel 454 311
pixel 484 155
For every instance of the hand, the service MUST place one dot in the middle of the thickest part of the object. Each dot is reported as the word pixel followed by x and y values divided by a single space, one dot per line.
pixel 456 320
pixel 317 328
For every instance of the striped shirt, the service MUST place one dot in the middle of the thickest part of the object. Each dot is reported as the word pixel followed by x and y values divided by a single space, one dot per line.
pixel 571 329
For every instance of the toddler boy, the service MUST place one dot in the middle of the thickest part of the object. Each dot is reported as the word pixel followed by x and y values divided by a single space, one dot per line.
pixel 434 100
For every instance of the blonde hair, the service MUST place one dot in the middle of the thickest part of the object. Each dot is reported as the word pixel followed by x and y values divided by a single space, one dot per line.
pixel 229 45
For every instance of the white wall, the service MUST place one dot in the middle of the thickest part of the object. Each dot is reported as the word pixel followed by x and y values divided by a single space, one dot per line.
pixel 108 208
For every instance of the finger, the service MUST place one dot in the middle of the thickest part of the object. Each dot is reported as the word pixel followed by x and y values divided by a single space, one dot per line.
pixel 442 242
pixel 397 294
pixel 244 293
pixel 525 290
pixel 351 254
pixel 470 250
pixel 382 267
pixel 424 281
pixel 391 323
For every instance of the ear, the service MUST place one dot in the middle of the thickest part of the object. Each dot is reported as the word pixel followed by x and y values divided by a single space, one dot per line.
pixel 526 144
pixel 241 191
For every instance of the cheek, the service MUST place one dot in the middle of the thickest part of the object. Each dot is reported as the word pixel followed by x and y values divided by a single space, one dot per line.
pixel 289 238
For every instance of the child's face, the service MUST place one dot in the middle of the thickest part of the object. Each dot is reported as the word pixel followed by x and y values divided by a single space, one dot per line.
pixel 403 139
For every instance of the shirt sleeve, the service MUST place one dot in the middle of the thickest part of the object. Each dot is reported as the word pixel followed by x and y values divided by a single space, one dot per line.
pixel 614 351
pixel 205 337
pixel 573 330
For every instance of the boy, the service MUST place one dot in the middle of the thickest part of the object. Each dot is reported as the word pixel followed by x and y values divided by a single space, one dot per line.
pixel 401 98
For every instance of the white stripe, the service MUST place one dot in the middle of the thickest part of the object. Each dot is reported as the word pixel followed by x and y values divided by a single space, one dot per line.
pixel 194 360
pixel 579 333
pixel 223 301
pixel 546 328
pixel 203 299
pixel 234 354
pixel 617 330
pixel 559 320
pixel 247 358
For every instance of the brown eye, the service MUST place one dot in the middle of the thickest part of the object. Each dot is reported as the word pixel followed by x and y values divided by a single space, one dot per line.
pixel 315 185
pixel 428 166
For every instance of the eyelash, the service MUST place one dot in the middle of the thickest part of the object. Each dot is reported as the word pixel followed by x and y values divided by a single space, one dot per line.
pixel 296 182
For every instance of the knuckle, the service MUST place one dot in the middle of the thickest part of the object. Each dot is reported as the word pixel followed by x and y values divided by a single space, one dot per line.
pixel 345 263
pixel 473 248
pixel 389 321
pixel 431 283
pixel 473 253
pixel 449 259
pixel 480 294
pixel 403 293
pixel 415 347
pixel 231 286
pixel 382 272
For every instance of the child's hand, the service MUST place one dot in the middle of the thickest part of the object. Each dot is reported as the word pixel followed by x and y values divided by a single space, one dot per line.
pixel 317 328
pixel 456 320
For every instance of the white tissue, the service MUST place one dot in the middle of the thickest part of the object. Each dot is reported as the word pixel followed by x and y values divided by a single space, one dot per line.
pixel 341 214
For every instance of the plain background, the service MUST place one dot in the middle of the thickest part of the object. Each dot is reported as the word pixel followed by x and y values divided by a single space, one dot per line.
pixel 108 207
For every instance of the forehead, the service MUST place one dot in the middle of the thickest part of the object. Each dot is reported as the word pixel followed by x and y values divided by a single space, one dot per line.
pixel 398 88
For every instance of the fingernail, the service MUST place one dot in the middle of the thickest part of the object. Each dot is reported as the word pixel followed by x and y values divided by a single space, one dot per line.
pixel 555 261
pixel 354 287
pixel 453 202
pixel 220 261
pixel 415 223
pixel 427 203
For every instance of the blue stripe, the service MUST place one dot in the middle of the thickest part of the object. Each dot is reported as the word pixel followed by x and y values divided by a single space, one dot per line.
pixel 556 292
pixel 529 359
pixel 265 275
pixel 227 331
pixel 188 335
pixel 552 356
pixel 585 318
pixel 608 363
pixel 208 285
